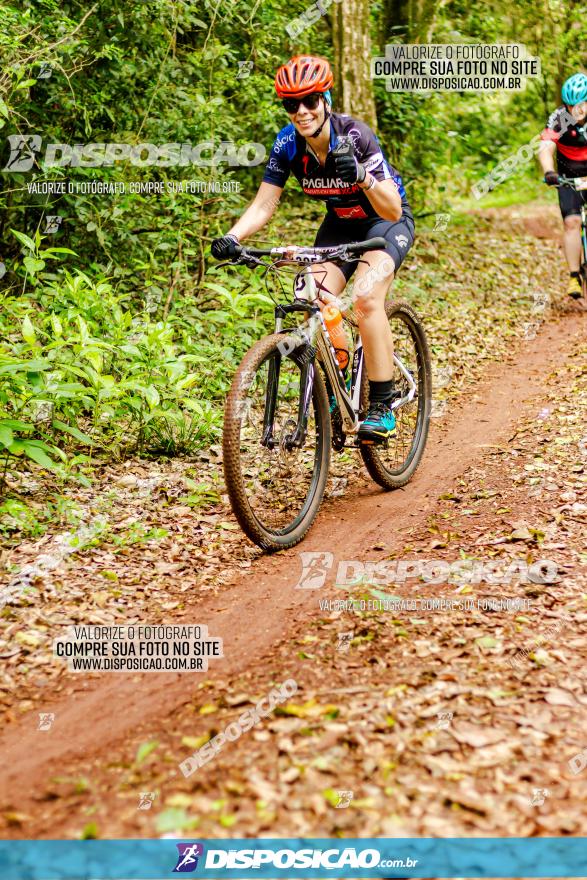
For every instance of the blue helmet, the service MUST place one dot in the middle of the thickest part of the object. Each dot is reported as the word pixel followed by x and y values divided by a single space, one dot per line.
pixel 574 89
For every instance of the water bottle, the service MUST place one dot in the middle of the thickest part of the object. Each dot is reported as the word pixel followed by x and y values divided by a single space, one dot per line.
pixel 333 320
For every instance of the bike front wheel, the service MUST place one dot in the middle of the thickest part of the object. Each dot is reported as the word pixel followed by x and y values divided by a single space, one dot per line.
pixel 275 489
pixel 393 464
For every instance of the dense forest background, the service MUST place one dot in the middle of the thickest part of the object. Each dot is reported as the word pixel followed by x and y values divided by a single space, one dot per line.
pixel 116 332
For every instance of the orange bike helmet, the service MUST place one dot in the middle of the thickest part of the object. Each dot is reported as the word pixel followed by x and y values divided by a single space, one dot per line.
pixel 303 75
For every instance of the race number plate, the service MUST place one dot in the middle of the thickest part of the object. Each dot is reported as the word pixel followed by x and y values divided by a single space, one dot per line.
pixel 581 183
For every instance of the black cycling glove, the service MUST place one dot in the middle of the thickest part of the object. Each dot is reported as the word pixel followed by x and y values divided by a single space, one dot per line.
pixel 551 178
pixel 225 248
pixel 347 167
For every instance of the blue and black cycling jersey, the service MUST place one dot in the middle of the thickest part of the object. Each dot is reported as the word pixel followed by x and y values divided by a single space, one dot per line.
pixel 291 153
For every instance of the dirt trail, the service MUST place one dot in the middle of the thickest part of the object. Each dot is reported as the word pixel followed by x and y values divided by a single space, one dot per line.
pixel 100 713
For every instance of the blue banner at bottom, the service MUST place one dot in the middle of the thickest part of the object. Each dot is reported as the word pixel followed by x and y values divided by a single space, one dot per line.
pixel 293 857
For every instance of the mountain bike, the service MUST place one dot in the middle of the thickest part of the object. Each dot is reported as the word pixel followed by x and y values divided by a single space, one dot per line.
pixel 579 184
pixel 278 427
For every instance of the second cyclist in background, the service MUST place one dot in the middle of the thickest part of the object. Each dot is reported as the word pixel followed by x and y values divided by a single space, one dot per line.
pixel 565 137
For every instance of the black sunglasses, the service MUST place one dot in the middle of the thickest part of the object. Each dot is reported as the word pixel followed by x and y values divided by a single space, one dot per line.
pixel 291 105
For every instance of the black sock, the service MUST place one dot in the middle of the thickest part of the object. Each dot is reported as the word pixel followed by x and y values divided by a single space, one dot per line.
pixel 381 392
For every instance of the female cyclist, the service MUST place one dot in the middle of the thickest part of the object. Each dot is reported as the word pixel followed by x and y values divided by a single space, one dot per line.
pixel 364 198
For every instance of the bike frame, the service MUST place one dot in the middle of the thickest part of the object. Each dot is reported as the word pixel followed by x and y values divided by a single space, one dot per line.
pixel 315 338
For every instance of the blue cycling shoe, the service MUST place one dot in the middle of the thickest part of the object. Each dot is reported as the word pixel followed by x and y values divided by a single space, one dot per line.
pixel 379 424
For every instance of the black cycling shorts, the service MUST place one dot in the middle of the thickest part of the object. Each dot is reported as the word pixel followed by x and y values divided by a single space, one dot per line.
pixel 570 200
pixel 399 236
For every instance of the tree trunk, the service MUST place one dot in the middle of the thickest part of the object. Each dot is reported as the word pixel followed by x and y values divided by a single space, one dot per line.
pixel 395 23
pixel 423 15
pixel 408 21
pixel 352 55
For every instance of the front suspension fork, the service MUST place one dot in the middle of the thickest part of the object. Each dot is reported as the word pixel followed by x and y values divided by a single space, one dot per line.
pixel 307 373
pixel 268 439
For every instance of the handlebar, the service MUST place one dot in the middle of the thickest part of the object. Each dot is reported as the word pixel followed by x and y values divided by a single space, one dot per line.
pixel 573 182
pixel 297 254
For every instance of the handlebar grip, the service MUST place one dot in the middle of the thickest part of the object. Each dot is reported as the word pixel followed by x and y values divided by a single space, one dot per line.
pixel 257 252
pixel 372 244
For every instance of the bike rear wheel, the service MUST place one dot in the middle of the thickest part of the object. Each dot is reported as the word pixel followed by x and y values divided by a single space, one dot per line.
pixel 583 267
pixel 584 280
pixel 276 492
pixel 393 465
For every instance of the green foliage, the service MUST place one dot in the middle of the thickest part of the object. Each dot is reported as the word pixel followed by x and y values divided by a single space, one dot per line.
pixel 139 72
pixel 79 372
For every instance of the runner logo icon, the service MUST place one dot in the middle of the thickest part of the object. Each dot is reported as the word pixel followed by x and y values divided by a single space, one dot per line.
pixel 344 799
pixel 24 150
pixel 315 567
pixel 187 860
pixel 402 240
pixel 46 719
pixel 538 797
